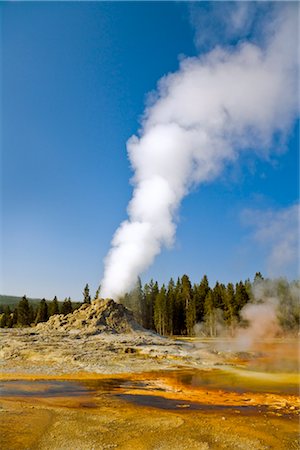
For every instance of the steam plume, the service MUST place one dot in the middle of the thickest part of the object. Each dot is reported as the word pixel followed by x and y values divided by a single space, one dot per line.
pixel 213 107
pixel 273 312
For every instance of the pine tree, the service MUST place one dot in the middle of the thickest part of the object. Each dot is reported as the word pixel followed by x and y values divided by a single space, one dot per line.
pixel 23 312
pixel 97 294
pixel 219 293
pixel 66 307
pixel 6 317
pixel 241 297
pixel 15 316
pixel 160 311
pixel 86 294
pixel 150 292
pixel 200 293
pixel 31 314
pixel 248 287
pixel 288 308
pixel 179 322
pixel 54 307
pixel 258 277
pixel 189 303
pixel 138 302
pixel 42 313
pixel 171 296
pixel 210 314
pixel 229 308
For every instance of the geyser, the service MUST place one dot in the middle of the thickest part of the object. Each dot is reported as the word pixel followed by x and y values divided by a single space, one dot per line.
pixel 215 106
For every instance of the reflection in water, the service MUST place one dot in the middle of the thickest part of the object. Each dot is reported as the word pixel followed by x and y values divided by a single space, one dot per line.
pixel 170 404
pixel 42 388
pixel 225 379
pixel 59 388
pixel 241 381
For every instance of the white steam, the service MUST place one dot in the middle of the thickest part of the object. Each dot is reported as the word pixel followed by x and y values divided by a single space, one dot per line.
pixel 203 115
pixel 278 232
pixel 273 312
pixel 262 324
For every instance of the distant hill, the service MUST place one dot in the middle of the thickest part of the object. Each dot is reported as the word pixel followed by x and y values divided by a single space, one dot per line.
pixel 12 300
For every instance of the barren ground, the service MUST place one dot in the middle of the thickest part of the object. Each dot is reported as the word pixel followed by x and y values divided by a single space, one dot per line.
pixel 139 391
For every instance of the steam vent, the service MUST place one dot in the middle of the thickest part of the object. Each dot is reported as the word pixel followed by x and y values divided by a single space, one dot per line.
pixel 99 317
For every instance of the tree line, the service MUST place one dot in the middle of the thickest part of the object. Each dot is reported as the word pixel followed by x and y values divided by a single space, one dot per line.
pixel 180 308
pixel 26 313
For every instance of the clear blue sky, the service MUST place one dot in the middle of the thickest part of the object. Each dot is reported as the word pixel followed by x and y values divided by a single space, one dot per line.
pixel 74 81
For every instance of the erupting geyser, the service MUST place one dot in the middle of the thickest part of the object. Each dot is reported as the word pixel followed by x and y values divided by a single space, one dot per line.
pixel 215 106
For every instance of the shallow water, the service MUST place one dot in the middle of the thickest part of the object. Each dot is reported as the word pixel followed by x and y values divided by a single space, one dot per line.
pixel 158 402
pixel 129 389
pixel 270 367
pixel 165 409
pixel 42 388
pixel 240 381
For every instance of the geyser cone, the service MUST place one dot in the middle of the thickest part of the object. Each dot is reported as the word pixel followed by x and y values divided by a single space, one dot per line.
pixel 104 315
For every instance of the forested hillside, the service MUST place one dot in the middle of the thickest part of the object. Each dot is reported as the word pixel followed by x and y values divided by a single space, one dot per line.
pixel 12 300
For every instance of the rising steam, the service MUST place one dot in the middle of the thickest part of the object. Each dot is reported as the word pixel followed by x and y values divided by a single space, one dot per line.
pixel 274 311
pixel 212 108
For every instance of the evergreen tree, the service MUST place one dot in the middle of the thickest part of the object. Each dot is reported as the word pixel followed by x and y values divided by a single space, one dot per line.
pixel 288 309
pixel 42 313
pixel 229 308
pixel 23 312
pixel 150 292
pixel 219 293
pixel 160 312
pixel 139 309
pixel 66 307
pixel 241 297
pixel 31 314
pixel 146 295
pixel 210 314
pixel 171 297
pixel 200 293
pixel 179 322
pixel 190 307
pixel 248 287
pixel 6 317
pixel 97 294
pixel 86 294
pixel 258 277
pixel 54 307
pixel 15 316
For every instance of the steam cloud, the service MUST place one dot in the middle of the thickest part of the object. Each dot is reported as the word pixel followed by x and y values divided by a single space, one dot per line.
pixel 278 232
pixel 202 116
pixel 273 312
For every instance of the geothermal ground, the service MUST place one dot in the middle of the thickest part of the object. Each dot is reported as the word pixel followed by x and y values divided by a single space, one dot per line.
pixel 96 380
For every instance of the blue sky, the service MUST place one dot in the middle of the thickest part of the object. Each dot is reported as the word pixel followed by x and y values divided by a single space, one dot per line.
pixel 74 82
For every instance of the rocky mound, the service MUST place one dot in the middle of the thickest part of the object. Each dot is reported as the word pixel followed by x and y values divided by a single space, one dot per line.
pixel 101 316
